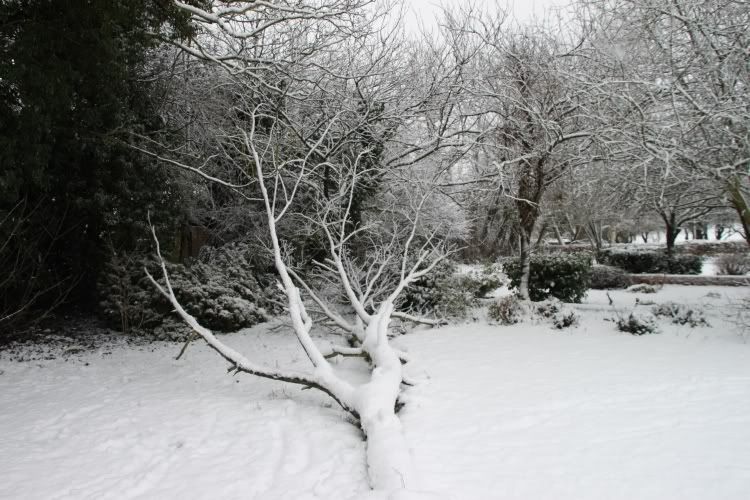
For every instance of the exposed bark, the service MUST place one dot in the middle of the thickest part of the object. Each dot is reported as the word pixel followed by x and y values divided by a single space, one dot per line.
pixel 672 231
pixel 530 191
pixel 525 256
pixel 740 205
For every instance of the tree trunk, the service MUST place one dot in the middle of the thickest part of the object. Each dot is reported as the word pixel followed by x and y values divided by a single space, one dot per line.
pixel 530 191
pixel 700 231
pixel 577 233
pixel 540 236
pixel 389 462
pixel 672 232
pixel 611 235
pixel 558 236
pixel 740 205
pixel 594 234
pixel 523 288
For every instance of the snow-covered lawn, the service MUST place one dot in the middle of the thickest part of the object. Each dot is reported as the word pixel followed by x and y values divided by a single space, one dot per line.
pixel 137 424
pixel 521 412
pixel 527 412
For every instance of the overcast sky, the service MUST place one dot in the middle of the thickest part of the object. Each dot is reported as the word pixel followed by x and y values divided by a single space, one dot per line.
pixel 521 10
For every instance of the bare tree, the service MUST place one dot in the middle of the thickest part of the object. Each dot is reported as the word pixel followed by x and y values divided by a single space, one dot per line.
pixel 590 203
pixel 676 197
pixel 534 122
pixel 681 90
pixel 322 107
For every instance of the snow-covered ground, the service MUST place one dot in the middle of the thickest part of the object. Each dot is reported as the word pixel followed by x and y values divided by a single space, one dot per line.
pixel 521 412
pixel 138 424
pixel 528 412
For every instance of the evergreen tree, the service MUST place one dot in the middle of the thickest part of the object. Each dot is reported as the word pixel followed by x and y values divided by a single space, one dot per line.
pixel 72 85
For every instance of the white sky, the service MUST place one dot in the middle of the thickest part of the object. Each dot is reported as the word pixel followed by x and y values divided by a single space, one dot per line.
pixel 522 10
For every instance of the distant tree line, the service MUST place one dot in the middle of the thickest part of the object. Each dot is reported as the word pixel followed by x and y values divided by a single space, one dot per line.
pixel 630 116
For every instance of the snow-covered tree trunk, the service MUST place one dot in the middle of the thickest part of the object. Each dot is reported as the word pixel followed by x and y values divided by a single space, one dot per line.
pixel 389 461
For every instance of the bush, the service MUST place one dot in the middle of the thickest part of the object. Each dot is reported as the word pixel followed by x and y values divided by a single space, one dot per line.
pixel 554 311
pixel 565 320
pixel 507 310
pixel 487 280
pixel 608 277
pixel 733 264
pixel 650 261
pixel 636 325
pixel 548 308
pixel 679 314
pixel 221 289
pixel 642 288
pixel 423 294
pixel 441 292
pixel 563 276
pixel 480 282
pixel 684 264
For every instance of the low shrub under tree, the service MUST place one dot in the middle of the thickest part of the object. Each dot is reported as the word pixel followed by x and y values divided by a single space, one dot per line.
pixel 563 276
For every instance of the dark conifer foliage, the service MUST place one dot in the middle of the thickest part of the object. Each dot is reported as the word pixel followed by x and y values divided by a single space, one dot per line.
pixel 75 80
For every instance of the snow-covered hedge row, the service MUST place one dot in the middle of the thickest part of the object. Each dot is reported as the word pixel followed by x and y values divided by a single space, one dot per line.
pixel 650 261
pixel 608 278
pixel 563 276
pixel 222 289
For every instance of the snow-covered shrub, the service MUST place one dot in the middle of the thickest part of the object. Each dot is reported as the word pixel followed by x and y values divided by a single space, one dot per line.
pixel 642 288
pixel 680 314
pixel 126 299
pixel 636 325
pixel 483 281
pixel 564 320
pixel 608 277
pixel 455 301
pixel 684 264
pixel 507 310
pixel 650 261
pixel 733 264
pixel 563 276
pixel 221 289
pixel 548 308
pixel 555 312
pixel 442 292
pixel 423 294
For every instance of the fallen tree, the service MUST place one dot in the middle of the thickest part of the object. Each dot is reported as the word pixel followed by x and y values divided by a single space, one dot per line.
pixel 315 125
pixel 415 252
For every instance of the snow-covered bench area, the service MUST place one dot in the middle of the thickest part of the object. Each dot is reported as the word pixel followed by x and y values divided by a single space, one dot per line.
pixel 513 412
